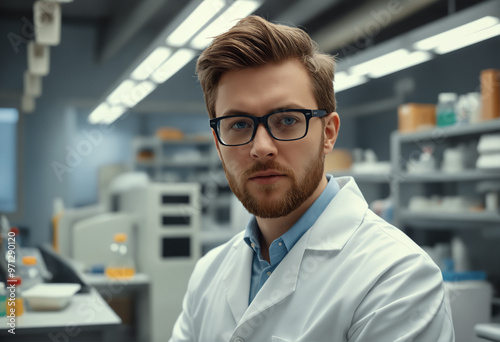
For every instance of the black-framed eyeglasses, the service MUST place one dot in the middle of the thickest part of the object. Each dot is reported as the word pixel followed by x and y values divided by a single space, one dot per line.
pixel 283 125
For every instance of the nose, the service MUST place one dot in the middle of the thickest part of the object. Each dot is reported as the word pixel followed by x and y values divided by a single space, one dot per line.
pixel 263 144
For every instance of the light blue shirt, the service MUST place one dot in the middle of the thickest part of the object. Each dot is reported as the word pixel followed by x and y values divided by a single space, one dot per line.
pixel 261 269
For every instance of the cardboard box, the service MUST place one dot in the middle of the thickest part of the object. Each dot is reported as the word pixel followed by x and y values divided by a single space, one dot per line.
pixel 490 94
pixel 416 116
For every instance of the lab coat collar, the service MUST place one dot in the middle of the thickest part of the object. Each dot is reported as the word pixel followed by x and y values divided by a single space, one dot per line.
pixel 331 231
pixel 341 218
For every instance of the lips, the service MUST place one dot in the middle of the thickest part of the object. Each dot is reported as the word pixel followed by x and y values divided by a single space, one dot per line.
pixel 266 177
pixel 266 174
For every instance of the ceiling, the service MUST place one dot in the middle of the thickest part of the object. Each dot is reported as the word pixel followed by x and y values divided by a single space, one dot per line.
pixel 341 27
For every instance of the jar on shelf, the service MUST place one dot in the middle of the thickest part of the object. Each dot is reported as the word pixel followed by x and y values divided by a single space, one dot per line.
pixel 446 109
pixel 122 263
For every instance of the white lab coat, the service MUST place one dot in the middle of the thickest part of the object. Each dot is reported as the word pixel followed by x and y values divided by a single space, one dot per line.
pixel 350 277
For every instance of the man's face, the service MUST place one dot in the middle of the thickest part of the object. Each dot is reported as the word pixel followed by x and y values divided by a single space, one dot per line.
pixel 272 178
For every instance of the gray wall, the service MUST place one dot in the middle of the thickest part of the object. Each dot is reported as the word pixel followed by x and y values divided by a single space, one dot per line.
pixel 56 135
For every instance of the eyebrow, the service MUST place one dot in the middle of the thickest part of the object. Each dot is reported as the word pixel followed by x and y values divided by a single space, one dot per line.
pixel 240 112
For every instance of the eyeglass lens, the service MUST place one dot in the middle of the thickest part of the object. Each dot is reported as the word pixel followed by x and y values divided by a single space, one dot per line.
pixel 283 126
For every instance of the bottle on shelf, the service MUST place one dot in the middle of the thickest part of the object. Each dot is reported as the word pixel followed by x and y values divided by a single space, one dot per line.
pixel 122 263
pixel 446 109
pixel 29 272
pixel 3 300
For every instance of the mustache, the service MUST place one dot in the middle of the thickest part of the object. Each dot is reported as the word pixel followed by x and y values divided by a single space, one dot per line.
pixel 267 165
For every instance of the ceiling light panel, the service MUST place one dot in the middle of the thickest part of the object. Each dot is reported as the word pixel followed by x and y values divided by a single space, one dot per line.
pixel 238 9
pixel 456 33
pixel 121 92
pixel 194 22
pixel 471 39
pixel 112 114
pixel 99 113
pixel 151 63
pixel 178 60
pixel 397 64
pixel 138 93
pixel 379 62
pixel 345 81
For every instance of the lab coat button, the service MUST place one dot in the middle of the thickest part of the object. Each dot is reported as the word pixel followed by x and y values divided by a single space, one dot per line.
pixel 238 339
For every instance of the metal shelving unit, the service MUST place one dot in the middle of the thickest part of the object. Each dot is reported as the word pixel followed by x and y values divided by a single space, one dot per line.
pixel 405 184
pixel 198 162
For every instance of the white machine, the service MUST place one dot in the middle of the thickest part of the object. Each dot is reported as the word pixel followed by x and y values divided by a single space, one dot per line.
pixel 164 222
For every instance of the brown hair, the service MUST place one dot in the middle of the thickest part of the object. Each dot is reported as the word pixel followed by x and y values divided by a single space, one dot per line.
pixel 255 42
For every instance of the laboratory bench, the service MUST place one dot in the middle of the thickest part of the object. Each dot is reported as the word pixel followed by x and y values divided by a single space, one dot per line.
pixel 86 318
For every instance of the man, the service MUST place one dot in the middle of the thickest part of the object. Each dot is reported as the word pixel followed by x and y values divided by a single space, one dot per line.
pixel 314 263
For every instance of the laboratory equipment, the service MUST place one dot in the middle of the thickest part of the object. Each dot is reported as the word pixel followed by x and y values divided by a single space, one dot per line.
pixel 445 109
pixel 121 264
pixel 29 272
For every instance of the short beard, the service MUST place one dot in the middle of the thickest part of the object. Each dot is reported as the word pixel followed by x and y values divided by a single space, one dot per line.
pixel 298 193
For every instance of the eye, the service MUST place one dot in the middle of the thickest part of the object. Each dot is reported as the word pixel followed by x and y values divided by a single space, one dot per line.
pixel 288 120
pixel 239 125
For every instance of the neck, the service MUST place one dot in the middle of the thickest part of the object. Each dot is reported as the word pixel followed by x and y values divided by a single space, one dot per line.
pixel 273 228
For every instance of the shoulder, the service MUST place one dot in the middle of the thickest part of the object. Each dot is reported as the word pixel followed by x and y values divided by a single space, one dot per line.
pixel 390 251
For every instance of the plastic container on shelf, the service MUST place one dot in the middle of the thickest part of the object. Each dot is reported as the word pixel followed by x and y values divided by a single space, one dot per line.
pixel 446 109
pixel 122 263
pixel 3 300
pixel 29 272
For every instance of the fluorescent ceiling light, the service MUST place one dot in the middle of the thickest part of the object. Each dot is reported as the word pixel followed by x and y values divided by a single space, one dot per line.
pixel 457 33
pixel 196 20
pixel 138 93
pixel 474 38
pixel 121 92
pixel 172 65
pixel 345 81
pixel 411 59
pixel 112 114
pixel 151 63
pixel 99 113
pixel 368 67
pixel 239 9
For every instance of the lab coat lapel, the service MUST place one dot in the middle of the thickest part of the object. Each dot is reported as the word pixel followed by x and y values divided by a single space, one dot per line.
pixel 280 284
pixel 236 279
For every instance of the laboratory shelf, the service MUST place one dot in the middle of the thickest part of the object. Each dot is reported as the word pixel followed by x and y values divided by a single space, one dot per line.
pixel 154 141
pixel 202 162
pixel 450 220
pixel 466 175
pixel 441 133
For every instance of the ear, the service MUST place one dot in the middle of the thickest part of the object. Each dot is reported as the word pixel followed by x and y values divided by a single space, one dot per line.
pixel 332 125
pixel 216 141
